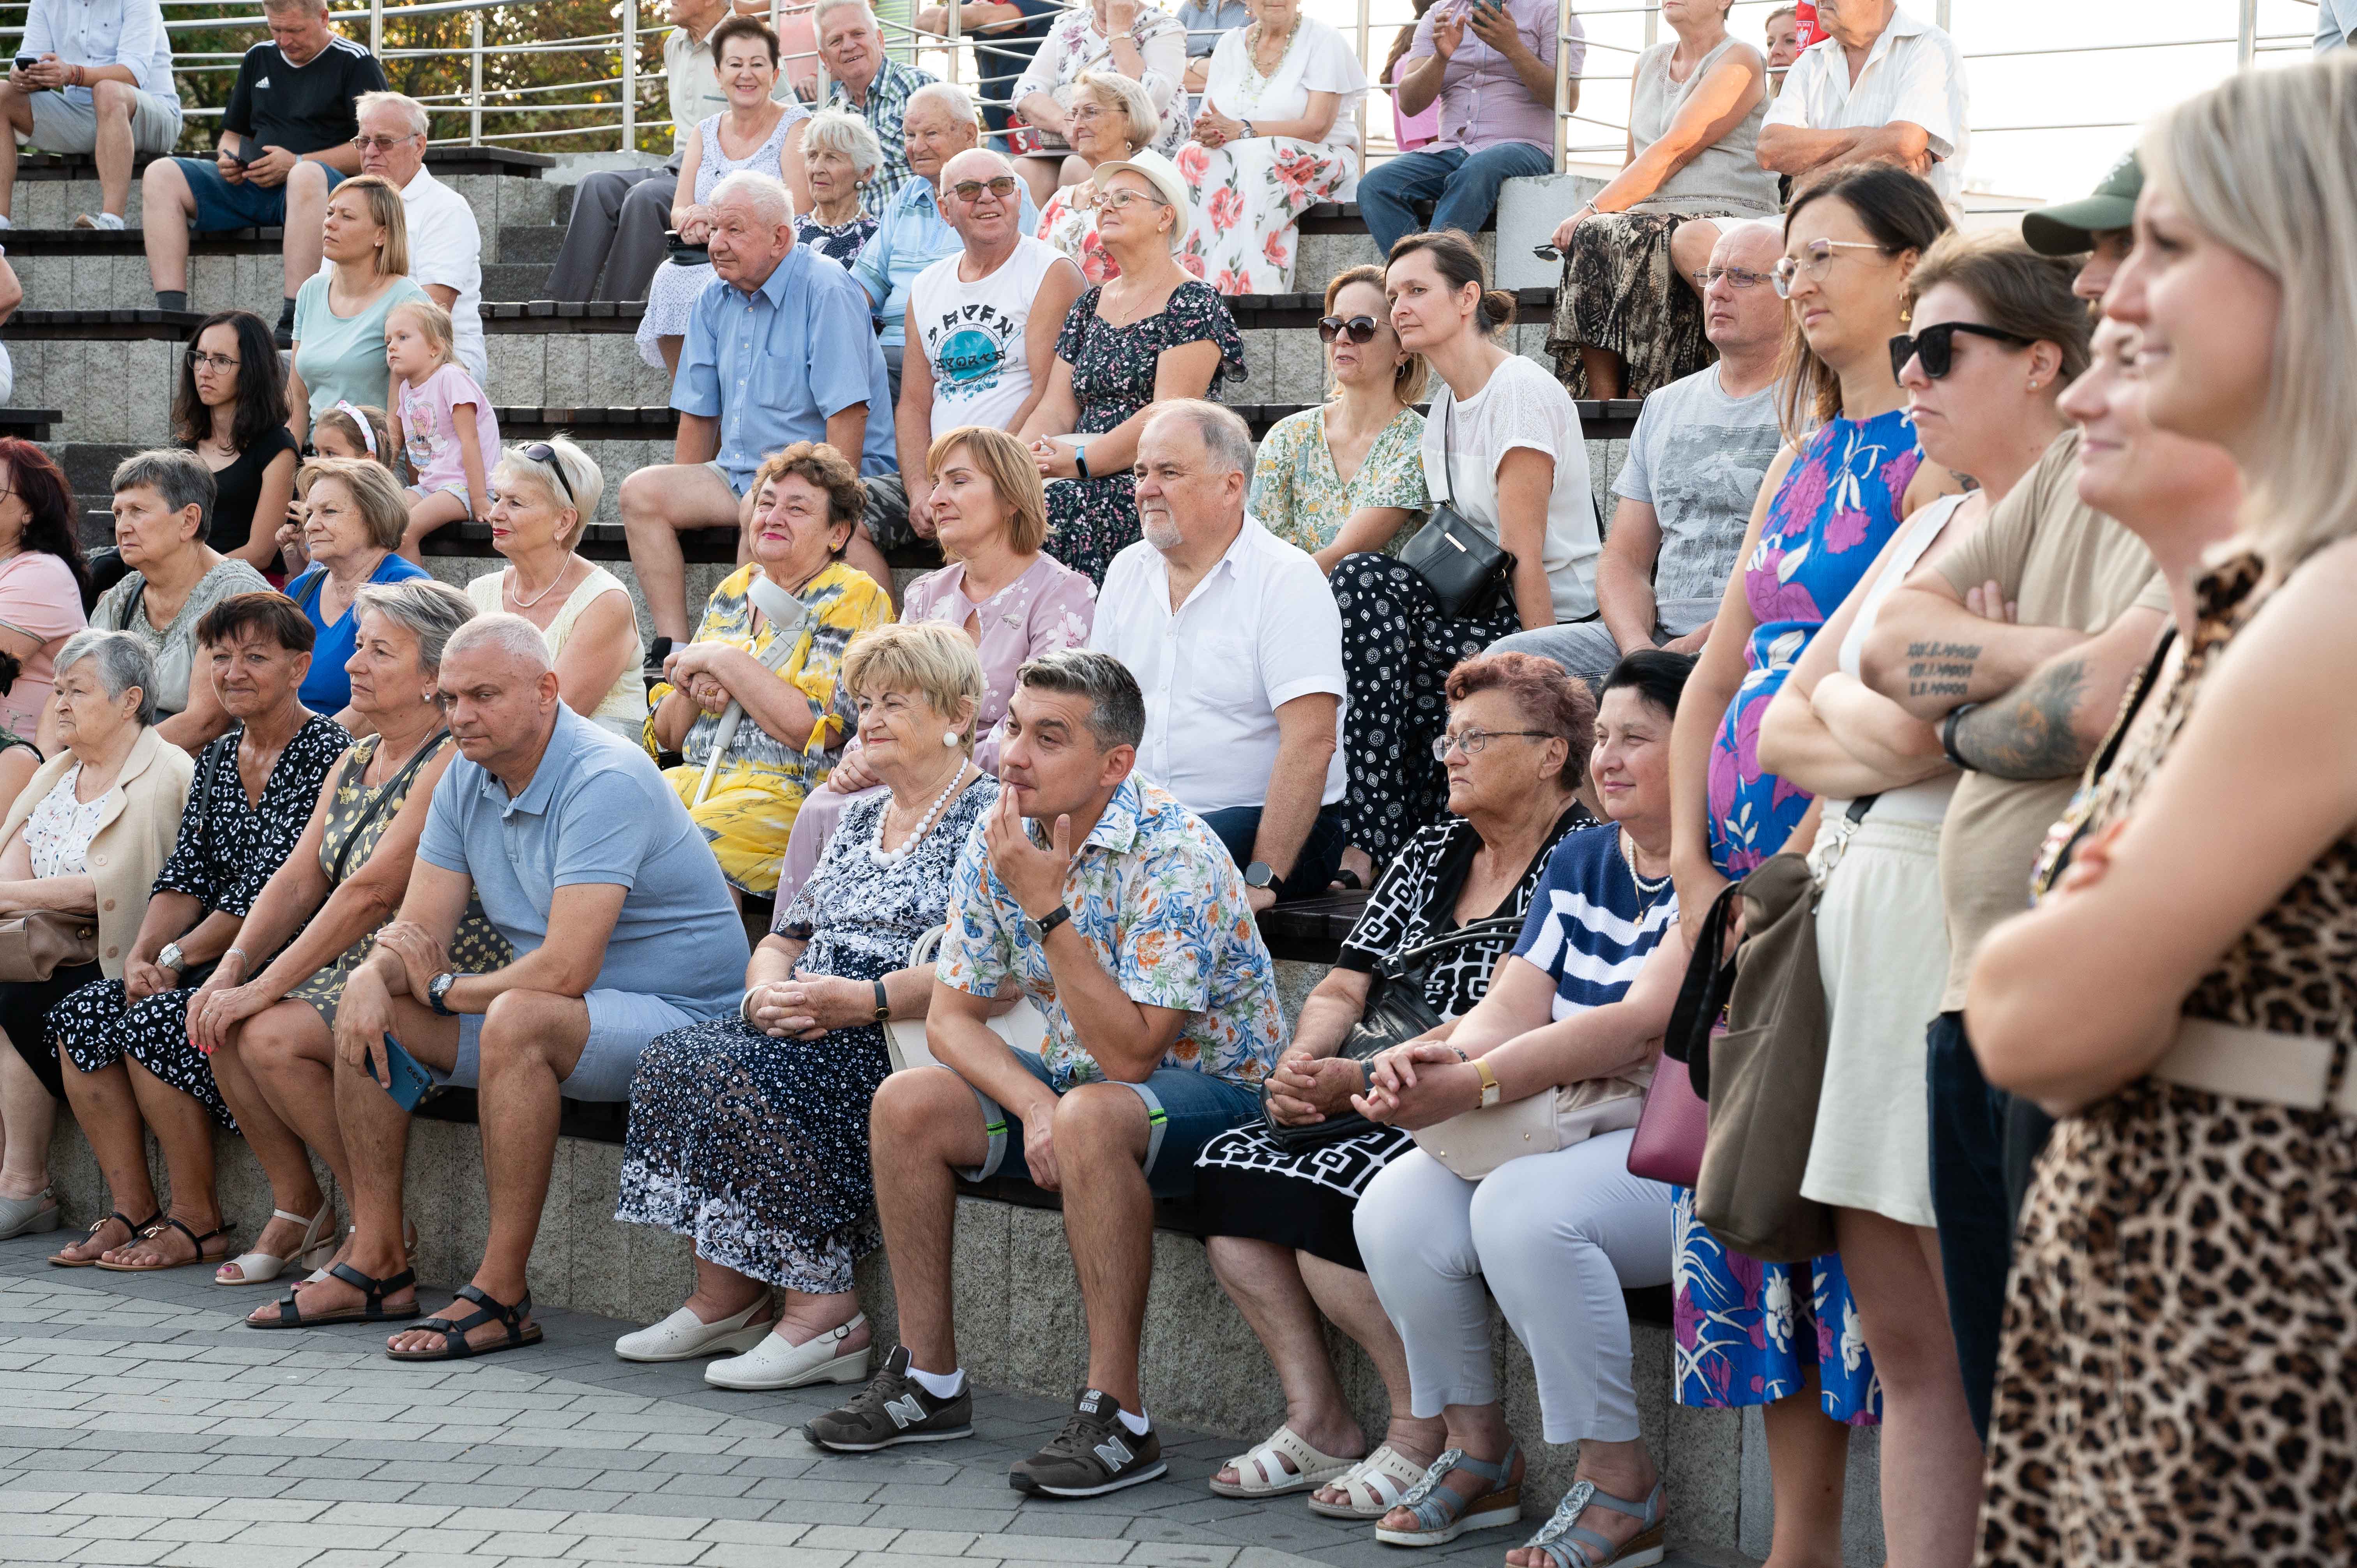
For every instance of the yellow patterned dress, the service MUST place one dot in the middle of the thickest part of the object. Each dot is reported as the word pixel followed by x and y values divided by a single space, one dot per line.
pixel 749 813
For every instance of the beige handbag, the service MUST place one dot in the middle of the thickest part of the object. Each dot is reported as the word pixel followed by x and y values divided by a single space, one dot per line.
pixel 36 944
pixel 1022 1027
pixel 1478 1142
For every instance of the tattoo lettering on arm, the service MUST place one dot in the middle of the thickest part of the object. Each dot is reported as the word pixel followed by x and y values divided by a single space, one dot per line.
pixel 1940 669
pixel 2027 733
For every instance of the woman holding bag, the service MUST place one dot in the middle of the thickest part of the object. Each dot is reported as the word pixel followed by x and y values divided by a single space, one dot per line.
pixel 1555 1236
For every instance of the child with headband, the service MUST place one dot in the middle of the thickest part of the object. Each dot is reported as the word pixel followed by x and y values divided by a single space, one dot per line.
pixel 442 420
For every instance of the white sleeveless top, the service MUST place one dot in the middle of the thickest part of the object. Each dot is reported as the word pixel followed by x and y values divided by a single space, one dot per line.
pixel 972 334
pixel 1926 802
pixel 625 705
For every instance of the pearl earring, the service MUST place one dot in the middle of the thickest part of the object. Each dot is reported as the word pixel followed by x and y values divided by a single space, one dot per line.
pixel 949 738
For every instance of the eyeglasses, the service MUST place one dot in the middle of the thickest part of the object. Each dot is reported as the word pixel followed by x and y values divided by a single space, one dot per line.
pixel 970 190
pixel 1936 347
pixel 1357 329
pixel 1473 742
pixel 213 361
pixel 1813 259
pixel 381 143
pixel 1084 110
pixel 541 453
pixel 1737 277
pixel 1117 199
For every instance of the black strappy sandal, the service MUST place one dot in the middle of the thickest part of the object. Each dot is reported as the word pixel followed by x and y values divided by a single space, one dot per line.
pixel 58 1260
pixel 198 1241
pixel 454 1345
pixel 373 1311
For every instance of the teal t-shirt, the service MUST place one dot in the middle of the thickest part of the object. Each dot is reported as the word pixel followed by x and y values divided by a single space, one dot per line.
pixel 341 359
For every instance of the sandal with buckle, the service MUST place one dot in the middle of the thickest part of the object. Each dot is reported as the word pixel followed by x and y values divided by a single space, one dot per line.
pixel 1568 1546
pixel 221 1235
pixel 259 1268
pixel 1442 1515
pixel 454 1345
pixel 372 1310
pixel 58 1260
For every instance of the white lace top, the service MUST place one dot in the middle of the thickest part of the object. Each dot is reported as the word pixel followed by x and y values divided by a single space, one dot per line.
pixel 58 829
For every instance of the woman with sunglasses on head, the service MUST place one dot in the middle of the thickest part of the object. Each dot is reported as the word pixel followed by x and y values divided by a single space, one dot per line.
pixel 1997 334
pixel 1850 474
pixel 543 495
pixel 1348 475
pixel 236 425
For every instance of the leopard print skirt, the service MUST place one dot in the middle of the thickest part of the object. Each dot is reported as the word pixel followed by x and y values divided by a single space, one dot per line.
pixel 2177 1383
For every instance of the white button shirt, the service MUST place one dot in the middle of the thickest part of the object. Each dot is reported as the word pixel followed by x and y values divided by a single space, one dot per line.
pixel 1260 629
pixel 1913 73
pixel 445 248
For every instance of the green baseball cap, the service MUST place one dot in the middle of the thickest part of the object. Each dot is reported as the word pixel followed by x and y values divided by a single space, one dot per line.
pixel 2070 228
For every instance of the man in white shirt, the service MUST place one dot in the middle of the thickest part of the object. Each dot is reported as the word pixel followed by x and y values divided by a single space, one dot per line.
pixel 984 321
pixel 1236 642
pixel 102 83
pixel 446 245
pixel 1883 87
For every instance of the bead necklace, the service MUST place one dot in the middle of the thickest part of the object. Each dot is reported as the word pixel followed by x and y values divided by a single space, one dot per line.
pixel 516 582
pixel 1647 893
pixel 888 858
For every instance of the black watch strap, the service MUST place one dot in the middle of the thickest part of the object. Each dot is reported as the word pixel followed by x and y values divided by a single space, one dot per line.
pixel 436 988
pixel 1050 920
pixel 882 1003
pixel 1948 736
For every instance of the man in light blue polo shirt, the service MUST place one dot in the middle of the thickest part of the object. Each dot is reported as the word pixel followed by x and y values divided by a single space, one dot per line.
pixel 586 861
pixel 779 349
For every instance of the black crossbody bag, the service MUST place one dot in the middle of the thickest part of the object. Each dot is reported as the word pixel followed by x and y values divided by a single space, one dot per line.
pixel 1465 568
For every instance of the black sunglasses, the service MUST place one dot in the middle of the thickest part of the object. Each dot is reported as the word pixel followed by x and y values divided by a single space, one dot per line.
pixel 1936 345
pixel 1357 329
pixel 541 453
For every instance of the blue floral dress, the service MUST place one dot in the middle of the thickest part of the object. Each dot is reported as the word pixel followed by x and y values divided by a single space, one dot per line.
pixel 1737 1320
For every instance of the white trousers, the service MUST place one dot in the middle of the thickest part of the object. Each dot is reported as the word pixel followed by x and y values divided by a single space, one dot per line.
pixel 1556 1238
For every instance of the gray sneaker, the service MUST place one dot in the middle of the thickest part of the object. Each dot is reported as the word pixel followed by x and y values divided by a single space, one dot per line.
pixel 1094 1454
pixel 893 1408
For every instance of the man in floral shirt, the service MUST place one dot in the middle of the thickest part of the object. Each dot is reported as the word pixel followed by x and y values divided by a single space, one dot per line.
pixel 1118 914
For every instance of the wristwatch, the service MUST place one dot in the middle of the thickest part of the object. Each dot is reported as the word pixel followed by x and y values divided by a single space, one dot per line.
pixel 1047 922
pixel 883 1004
pixel 1490 1090
pixel 1259 874
pixel 171 958
pixel 436 988
pixel 1948 736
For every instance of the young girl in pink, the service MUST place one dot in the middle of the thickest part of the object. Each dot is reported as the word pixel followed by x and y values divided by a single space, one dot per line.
pixel 443 421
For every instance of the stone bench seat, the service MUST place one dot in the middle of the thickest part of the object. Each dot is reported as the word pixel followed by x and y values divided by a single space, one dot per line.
pixel 30 424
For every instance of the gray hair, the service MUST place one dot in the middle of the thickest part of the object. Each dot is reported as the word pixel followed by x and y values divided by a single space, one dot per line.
pixel 1225 436
pixel 766 194
pixel 818 15
pixel 176 477
pixel 1116 708
pixel 1128 98
pixel 582 476
pixel 511 634
pixel 835 130
pixel 316 7
pixel 431 611
pixel 955 100
pixel 123 662
pixel 409 107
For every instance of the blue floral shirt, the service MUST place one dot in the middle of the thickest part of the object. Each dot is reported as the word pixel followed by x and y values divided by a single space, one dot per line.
pixel 1164 908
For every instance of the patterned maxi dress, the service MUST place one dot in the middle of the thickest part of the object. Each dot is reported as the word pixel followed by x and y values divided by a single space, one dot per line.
pixel 1738 1320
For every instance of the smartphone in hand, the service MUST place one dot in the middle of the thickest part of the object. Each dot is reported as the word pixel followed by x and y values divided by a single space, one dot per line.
pixel 239 150
pixel 410 1078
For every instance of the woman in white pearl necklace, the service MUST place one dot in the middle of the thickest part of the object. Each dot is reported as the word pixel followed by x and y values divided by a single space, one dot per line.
pixel 749 1135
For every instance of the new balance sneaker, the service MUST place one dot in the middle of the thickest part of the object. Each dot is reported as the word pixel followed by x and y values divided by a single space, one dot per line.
pixel 893 1408
pixel 1094 1454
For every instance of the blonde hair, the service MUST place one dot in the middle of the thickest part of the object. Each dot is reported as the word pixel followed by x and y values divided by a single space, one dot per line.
pixel 935 662
pixel 375 436
pixel 386 212
pixel 382 507
pixel 1407 381
pixel 1115 91
pixel 1013 473
pixel 2261 163
pixel 435 322
pixel 580 470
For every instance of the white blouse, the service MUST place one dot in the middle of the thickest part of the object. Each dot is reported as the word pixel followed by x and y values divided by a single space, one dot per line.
pixel 1317 58
pixel 60 828
pixel 1521 405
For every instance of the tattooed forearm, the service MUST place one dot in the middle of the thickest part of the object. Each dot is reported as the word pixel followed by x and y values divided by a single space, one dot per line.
pixel 1940 669
pixel 2027 733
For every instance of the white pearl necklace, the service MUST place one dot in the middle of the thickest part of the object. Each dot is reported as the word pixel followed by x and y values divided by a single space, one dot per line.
pixel 888 858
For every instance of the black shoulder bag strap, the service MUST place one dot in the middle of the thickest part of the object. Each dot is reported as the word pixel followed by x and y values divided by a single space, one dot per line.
pixel 397 785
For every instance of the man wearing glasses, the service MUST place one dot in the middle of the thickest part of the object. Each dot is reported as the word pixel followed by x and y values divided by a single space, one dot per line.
pixel 446 247
pixel 1696 459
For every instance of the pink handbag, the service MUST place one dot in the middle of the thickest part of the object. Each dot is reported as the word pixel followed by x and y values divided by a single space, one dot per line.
pixel 1670 1130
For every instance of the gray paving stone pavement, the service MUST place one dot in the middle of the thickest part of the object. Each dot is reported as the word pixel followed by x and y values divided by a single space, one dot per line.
pixel 141 1424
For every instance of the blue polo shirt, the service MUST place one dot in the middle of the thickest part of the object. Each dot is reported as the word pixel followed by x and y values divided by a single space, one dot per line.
pixel 912 236
pixel 773 365
pixel 597 812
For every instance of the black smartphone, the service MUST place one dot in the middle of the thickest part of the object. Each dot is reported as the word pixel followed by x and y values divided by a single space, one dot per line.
pixel 27 62
pixel 239 150
pixel 410 1078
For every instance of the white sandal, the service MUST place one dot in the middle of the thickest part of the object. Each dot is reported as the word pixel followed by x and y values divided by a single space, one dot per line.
pixel 1259 1473
pixel 261 1268
pixel 1375 1485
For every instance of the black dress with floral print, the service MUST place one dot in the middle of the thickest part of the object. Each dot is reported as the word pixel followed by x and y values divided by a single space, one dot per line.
pixel 1113 376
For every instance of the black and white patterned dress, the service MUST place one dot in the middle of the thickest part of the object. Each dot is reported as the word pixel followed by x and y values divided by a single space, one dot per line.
pixel 227 849
pixel 757 1147
pixel 1246 1186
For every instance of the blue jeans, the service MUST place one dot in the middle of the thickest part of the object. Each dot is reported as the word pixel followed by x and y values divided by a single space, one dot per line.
pixel 1185 1110
pixel 1465 186
pixel 1313 869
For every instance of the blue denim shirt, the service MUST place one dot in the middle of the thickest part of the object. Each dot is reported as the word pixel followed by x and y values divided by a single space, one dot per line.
pixel 912 237
pixel 774 365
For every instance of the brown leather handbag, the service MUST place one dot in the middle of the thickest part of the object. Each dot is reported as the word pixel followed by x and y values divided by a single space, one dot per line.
pixel 36 943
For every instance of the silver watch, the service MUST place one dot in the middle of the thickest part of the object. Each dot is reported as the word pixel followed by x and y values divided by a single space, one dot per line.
pixel 172 958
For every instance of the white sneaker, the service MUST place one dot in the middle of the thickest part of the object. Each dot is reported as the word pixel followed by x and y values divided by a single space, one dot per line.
pixel 774 1364
pixel 682 1337
pixel 97 221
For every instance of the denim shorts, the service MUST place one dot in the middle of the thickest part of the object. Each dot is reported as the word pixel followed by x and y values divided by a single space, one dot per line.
pixel 221 205
pixel 622 1025
pixel 1186 1110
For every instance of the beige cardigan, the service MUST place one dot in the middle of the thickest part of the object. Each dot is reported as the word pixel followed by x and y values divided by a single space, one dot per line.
pixel 136 833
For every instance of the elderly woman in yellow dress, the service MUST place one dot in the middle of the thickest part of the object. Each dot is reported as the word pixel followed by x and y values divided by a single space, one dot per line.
pixel 807 502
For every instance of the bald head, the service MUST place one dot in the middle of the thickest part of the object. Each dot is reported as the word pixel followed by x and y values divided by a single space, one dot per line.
pixel 1745 321
pixel 509 639
pixel 982 197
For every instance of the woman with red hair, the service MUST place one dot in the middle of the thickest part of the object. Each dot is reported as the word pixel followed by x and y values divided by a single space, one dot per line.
pixel 42 579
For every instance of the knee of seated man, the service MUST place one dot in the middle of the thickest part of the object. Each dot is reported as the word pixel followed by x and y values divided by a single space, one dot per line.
pixel 917 1107
pixel 112 97
pixel 1101 1120
pixel 521 1025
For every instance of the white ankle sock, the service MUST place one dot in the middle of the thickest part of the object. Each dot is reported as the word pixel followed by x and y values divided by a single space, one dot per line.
pixel 1138 1424
pixel 941 1385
